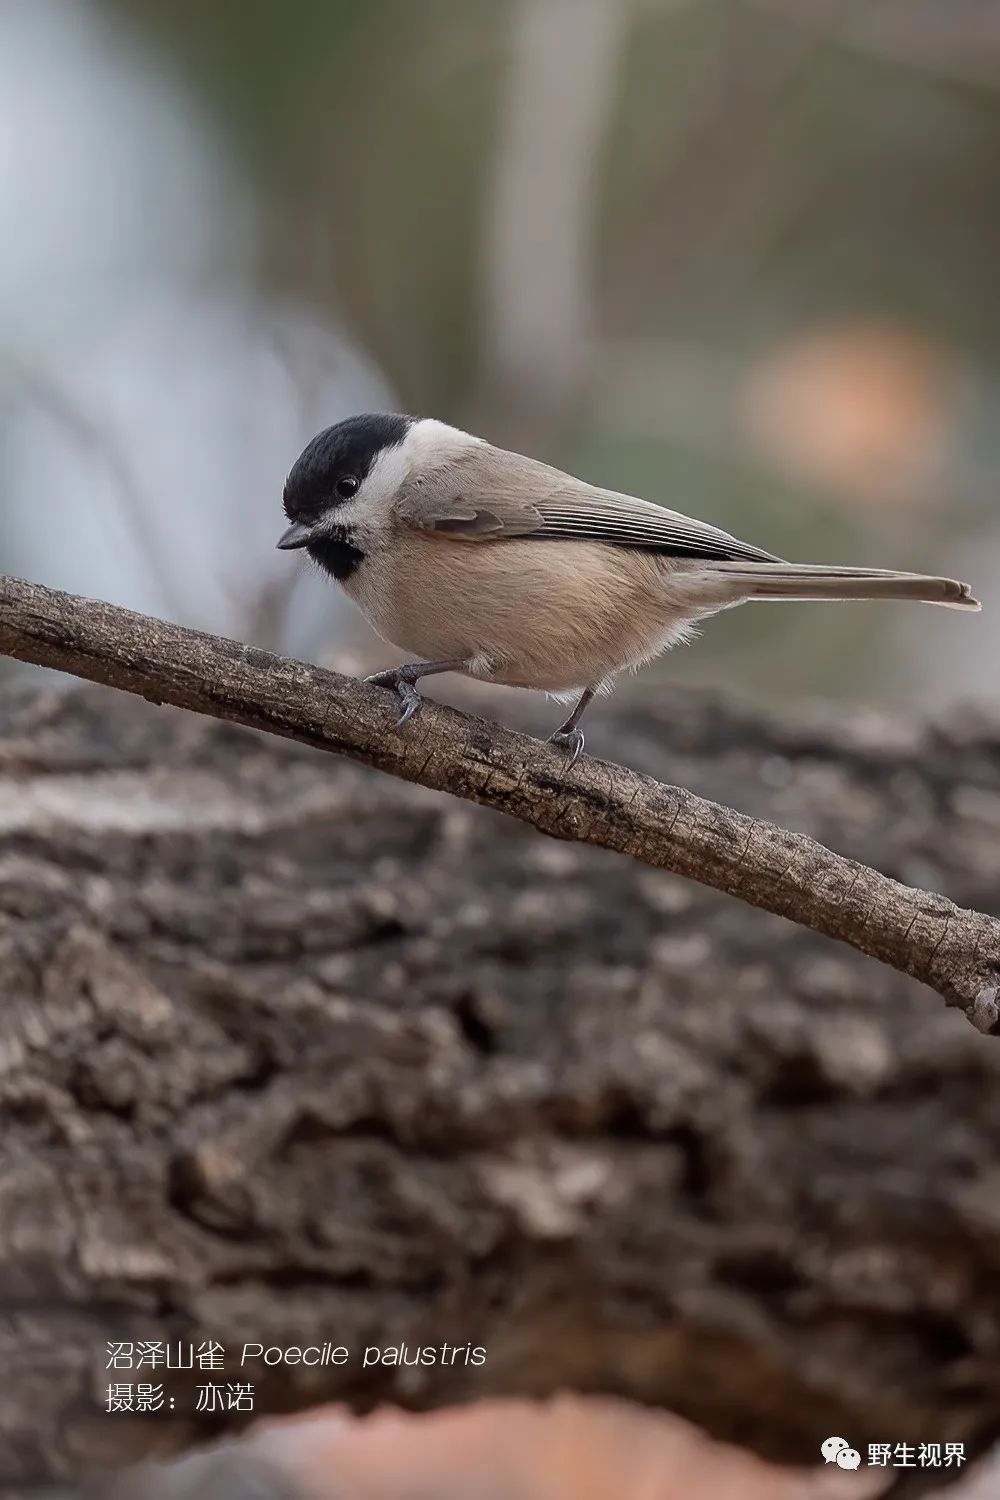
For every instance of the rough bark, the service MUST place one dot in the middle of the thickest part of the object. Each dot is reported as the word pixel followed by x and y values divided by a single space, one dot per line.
pixel 955 951
pixel 292 1051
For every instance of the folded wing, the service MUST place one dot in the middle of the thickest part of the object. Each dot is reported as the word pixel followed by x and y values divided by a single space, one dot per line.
pixel 488 494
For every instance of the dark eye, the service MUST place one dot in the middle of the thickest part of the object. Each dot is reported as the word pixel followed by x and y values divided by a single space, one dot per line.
pixel 347 486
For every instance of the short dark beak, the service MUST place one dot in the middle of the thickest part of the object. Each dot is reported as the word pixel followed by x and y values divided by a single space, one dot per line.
pixel 297 535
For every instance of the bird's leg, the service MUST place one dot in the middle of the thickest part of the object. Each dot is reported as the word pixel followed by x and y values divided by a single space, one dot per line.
pixel 568 735
pixel 402 679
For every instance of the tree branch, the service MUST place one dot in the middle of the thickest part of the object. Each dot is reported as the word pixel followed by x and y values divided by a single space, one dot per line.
pixel 955 951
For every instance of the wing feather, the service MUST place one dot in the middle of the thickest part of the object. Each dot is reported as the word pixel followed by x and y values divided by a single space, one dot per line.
pixel 488 494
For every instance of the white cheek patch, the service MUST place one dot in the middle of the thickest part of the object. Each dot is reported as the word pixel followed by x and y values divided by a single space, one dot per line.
pixel 384 480
pixel 427 444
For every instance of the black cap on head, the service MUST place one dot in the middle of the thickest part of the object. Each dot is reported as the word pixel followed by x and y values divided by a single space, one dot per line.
pixel 346 450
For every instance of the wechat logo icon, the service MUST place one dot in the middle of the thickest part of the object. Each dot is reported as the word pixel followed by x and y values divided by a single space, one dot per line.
pixel 837 1450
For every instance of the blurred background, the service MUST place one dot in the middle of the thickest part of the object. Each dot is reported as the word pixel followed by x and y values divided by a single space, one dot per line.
pixel 736 255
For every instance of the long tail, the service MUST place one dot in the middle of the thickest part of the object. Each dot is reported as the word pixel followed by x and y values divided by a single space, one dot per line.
pixel 799 581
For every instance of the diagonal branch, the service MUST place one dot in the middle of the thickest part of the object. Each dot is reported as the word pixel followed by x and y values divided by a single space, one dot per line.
pixel 956 952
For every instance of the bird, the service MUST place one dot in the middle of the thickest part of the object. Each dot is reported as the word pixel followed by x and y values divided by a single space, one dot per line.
pixel 486 562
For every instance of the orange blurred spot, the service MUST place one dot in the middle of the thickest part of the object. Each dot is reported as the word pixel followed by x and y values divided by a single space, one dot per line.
pixel 865 409
pixel 590 1449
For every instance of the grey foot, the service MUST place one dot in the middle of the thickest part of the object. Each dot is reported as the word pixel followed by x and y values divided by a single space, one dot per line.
pixel 571 740
pixel 401 681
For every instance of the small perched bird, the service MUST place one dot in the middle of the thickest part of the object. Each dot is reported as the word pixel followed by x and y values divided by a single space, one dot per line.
pixel 492 564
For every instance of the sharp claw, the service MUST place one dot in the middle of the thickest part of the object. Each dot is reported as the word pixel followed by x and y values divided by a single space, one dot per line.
pixel 412 702
pixel 404 689
pixel 571 740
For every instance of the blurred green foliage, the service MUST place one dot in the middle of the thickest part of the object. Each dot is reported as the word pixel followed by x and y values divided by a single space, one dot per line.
pixel 763 168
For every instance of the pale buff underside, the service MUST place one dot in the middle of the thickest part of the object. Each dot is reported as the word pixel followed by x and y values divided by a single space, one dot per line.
pixel 558 616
